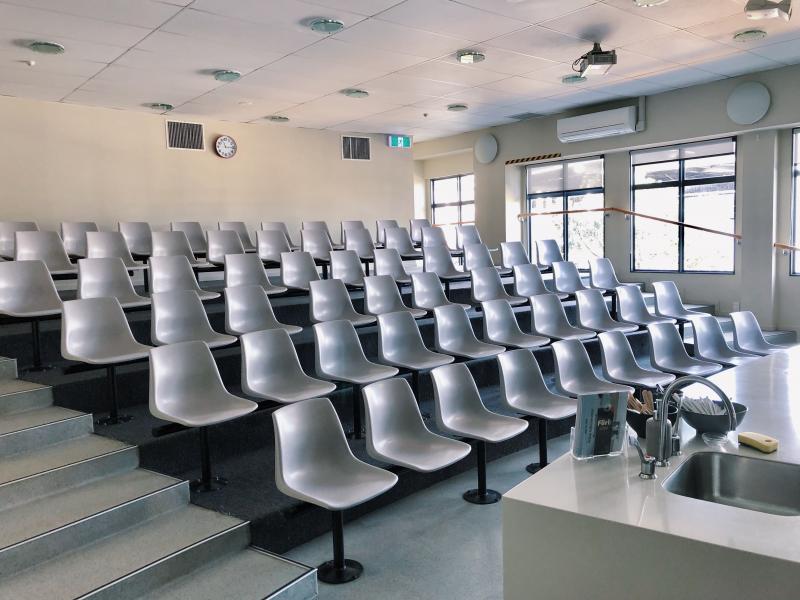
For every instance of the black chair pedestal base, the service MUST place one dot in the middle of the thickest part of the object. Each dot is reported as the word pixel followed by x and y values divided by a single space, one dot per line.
pixel 538 466
pixel 215 483
pixel 207 482
pixel 328 572
pixel 358 429
pixel 482 497
pixel 113 420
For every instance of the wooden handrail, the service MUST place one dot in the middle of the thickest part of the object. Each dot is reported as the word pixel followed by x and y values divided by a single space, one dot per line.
pixel 610 209
pixel 789 247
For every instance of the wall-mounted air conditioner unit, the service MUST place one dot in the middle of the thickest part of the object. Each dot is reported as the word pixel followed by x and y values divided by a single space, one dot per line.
pixel 597 125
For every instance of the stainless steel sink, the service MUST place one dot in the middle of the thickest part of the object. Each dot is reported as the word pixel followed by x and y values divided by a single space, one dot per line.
pixel 751 483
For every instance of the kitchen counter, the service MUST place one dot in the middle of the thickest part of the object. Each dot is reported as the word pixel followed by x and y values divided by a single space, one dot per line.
pixel 595 530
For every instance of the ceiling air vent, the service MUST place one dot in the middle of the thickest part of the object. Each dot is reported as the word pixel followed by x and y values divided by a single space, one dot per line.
pixel 184 136
pixel 355 148
pixel 524 116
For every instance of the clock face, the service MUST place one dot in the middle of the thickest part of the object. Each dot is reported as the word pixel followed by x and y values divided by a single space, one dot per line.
pixel 226 146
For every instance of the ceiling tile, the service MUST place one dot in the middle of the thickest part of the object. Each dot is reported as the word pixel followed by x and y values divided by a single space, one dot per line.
pixel 451 72
pixel 486 96
pixel 402 83
pixel 334 51
pixel 361 7
pixel 121 100
pixel 530 11
pixel 303 74
pixel 522 86
pixel 543 43
pixel 740 64
pixel 681 77
pixel 681 47
pixel 785 52
pixel 723 30
pixel 506 62
pixel 282 13
pixel 683 13
pixel 141 13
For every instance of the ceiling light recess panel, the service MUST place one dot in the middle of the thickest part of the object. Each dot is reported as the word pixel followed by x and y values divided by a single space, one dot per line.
pixel 355 93
pixel 160 106
pixel 226 75
pixel 46 47
pixel 749 35
pixel 649 3
pixel 326 25
pixel 470 57
pixel 457 107
pixel 573 79
pixel 277 118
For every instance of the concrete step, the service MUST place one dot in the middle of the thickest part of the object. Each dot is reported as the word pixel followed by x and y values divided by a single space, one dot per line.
pixel 33 429
pixel 38 531
pixel 8 368
pixel 17 395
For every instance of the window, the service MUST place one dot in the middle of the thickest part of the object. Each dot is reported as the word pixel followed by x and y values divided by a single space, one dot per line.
pixel 692 183
pixel 452 203
pixel 568 185
pixel 795 197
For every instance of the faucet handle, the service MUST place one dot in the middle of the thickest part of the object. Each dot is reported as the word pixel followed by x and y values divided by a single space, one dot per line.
pixel 647 469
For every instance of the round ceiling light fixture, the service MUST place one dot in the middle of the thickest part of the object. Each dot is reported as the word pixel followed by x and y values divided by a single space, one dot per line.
pixel 326 26
pixel 749 35
pixel 649 3
pixel 457 107
pixel 227 75
pixel 573 79
pixel 355 93
pixel 160 106
pixel 46 47
pixel 470 57
pixel 277 119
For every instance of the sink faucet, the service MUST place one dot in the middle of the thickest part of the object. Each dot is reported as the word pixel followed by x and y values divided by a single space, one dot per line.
pixel 648 463
pixel 664 447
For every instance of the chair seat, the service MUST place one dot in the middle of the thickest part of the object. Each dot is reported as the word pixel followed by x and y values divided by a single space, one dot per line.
pixel 548 406
pixel 597 386
pixel 690 367
pixel 212 338
pixel 516 300
pixel 567 333
pixel 292 389
pixel 342 486
pixel 684 315
pixel 226 407
pixel 64 271
pixel 641 377
pixel 133 301
pixel 476 349
pixel 362 373
pixel 730 360
pixel 275 289
pixel 419 361
pixel 645 320
pixel 411 255
pixel 521 340
pixel 36 312
pixel 290 329
pixel 486 426
pixel 357 319
pixel 764 349
pixel 504 271
pixel 425 452
pixel 118 352
pixel 206 295
pixel 454 276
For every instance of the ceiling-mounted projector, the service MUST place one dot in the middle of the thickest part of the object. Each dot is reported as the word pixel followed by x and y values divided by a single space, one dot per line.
pixel 768 9
pixel 595 62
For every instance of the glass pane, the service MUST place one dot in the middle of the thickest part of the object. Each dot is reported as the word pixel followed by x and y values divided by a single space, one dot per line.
pixel 796 236
pixel 697 149
pixel 655 155
pixel 656 244
pixel 445 191
pixel 585 230
pixel 467 188
pixel 445 214
pixel 585 174
pixel 710 206
pixel 710 166
pixel 656 173
pixel 546 178
pixel 467 212
pixel 547 226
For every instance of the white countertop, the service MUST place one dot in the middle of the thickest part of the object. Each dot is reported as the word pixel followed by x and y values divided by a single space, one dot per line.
pixel 610 489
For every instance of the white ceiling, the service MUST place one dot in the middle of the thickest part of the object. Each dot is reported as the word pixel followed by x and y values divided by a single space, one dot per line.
pixel 128 53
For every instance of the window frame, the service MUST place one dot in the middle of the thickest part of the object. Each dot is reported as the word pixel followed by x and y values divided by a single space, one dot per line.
pixel 681 185
pixel 566 194
pixel 794 264
pixel 459 203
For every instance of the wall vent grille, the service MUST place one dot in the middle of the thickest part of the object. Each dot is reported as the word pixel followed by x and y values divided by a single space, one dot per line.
pixel 524 116
pixel 355 148
pixel 184 136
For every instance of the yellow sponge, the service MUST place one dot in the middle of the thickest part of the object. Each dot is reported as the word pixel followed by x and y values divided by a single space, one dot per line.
pixel 759 441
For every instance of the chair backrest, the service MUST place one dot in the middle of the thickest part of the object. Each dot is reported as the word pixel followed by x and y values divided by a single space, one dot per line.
pixel 317 226
pixel 602 274
pixel 566 277
pixel 513 254
pixel 477 256
pixel 592 309
pixel 390 408
pixel 499 320
pixel 381 295
pixel 73 233
pixel 298 270
pixel 528 281
pixel 245 269
pixel 616 353
pixel 455 396
pixel 360 241
pixel 631 305
pixel 172 243
pixel 247 308
pixel 398 239
pixel 336 343
pixel 452 326
pixel 433 236
pixel 437 259
pixel 178 316
pixel 8 230
pixel 427 291
pixel 168 273
pixel 194 233
pixel 520 378
pixel 91 326
pixel 138 236
pixel 415 227
pixel 668 298
pixel 709 340
pixel 548 312
pixel 746 330
pixel 271 244
pixel 26 288
pixel 381 225
pixel 346 265
pixel 223 242
pixel 398 335
pixel 241 230
pixel 109 244
pixel 666 344
pixel 467 235
pixel 329 300
pixel 548 252
pixel 351 225
pixel 104 278
pixel 267 355
pixel 389 262
pixel 487 285
pixel 317 243
pixel 45 246
pixel 278 226
pixel 572 364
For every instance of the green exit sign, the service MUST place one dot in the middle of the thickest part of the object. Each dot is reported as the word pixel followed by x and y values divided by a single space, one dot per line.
pixel 399 141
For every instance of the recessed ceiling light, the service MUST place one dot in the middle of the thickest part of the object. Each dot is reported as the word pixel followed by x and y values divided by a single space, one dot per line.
pixel 277 118
pixel 355 93
pixel 749 35
pixel 227 75
pixel 245 102
pixel 470 57
pixel 326 25
pixel 160 106
pixel 47 47
pixel 573 79
pixel 649 3
pixel 457 107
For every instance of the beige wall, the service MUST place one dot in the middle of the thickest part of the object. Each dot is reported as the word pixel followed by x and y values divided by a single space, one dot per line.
pixel 61 162
pixel 457 163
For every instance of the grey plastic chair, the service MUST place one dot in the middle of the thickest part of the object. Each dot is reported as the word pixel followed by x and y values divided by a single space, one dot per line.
pixel 400 345
pixel 351 225
pixel 247 308
pixel 427 292
pixel 73 233
pixel 381 225
pixel 45 246
pixel 8 238
pixel 633 309
pixel 220 244
pixel 346 266
pixel 415 227
pixel 138 237
pixel 513 254
pixel 460 411
pixel 602 275
pixel 437 259
pixel 710 344
pixel 593 313
pixel 388 262
pixel 574 375
pixel 669 304
pixel 748 337
pixel 271 369
pixel 170 273
pixel 280 226
pixel 111 244
pixel 619 364
pixel 360 242
pixel 95 331
pixel 522 389
pixel 108 278
pixel 27 292
pixel 434 237
pixel 398 239
pixel 179 316
pixel 298 270
pixel 500 327
pixel 323 227
pixel 467 235
pixel 667 353
pixel 548 252
pixel 487 285
pixel 453 334
pixel 396 433
pixel 241 230
pixel 247 269
pixel 271 244
pixel 381 296
pixel 194 233
pixel 566 278
pixel 314 463
pixel 186 388
pixel 318 244
pixel 528 282
pixel 175 243
pixel 550 320
pixel 338 356
pixel 329 301
pixel 477 256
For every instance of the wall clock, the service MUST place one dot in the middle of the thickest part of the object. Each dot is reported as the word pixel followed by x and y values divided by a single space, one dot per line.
pixel 225 146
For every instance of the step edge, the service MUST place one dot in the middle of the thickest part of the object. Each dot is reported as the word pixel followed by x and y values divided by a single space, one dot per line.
pixel 77 417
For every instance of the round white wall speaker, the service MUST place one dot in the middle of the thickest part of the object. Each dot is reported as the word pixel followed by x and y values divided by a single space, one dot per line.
pixel 486 148
pixel 748 103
